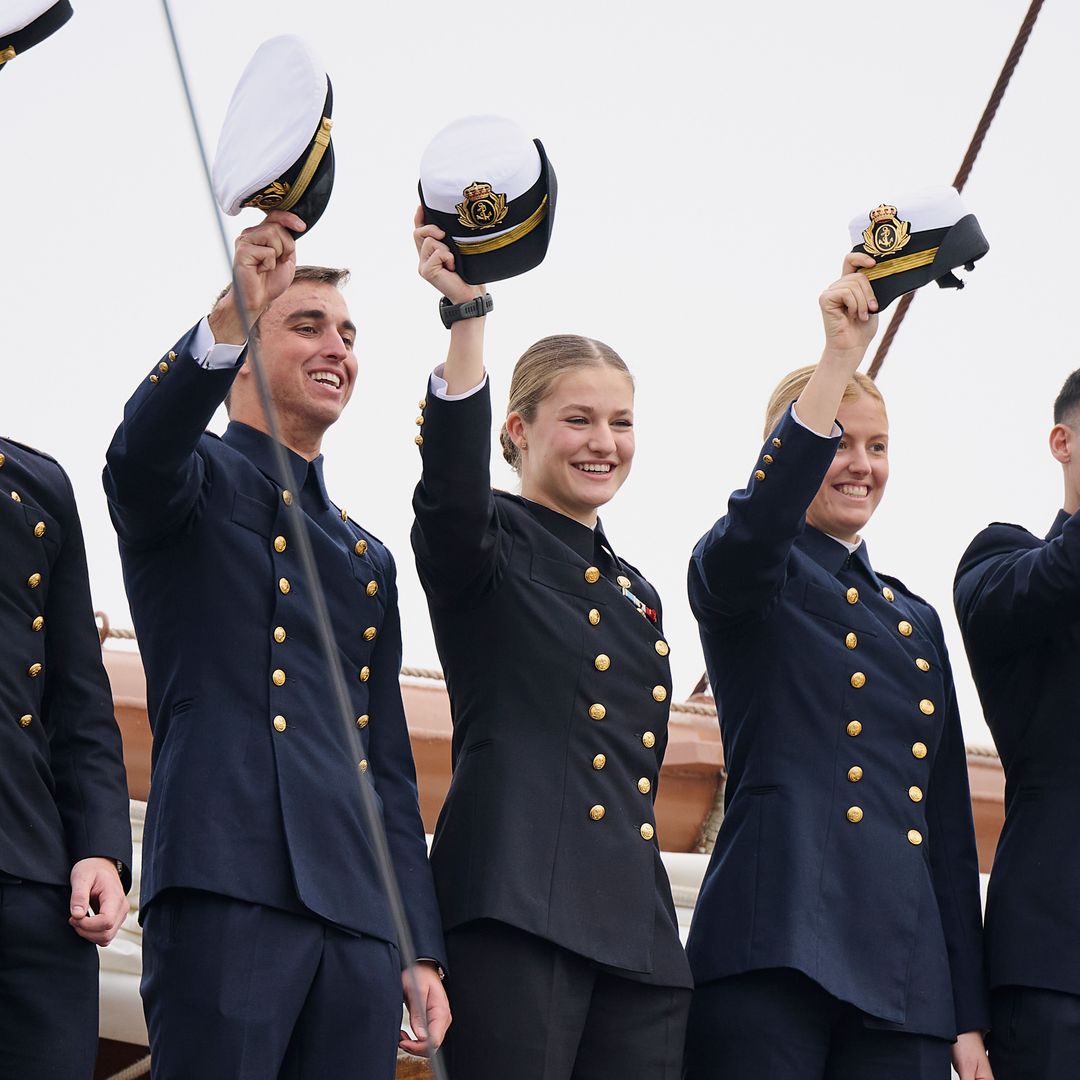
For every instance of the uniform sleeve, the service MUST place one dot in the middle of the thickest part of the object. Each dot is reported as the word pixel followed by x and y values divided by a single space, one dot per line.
pixel 154 476
pixel 395 780
pixel 1010 588
pixel 85 746
pixel 954 862
pixel 740 565
pixel 460 545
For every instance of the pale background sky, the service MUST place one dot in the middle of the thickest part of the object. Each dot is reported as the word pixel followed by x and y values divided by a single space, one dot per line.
pixel 709 158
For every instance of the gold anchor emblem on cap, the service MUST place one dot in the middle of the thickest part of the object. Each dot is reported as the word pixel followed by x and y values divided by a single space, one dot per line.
pixel 886 234
pixel 482 207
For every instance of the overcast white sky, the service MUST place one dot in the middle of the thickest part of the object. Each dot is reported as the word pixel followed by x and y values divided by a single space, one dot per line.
pixel 709 158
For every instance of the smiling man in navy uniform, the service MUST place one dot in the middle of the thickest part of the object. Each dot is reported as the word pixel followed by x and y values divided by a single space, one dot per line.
pixel 270 948
pixel 1018 601
pixel 65 837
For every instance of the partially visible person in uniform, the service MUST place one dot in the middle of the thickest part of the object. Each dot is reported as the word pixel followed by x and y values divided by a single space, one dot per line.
pixel 1018 602
pixel 565 958
pixel 65 833
pixel 837 934
pixel 269 948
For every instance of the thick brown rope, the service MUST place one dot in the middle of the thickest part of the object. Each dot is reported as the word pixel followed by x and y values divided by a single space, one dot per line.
pixel 967 164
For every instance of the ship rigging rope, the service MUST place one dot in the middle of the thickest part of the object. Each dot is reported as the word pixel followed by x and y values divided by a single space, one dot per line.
pixel 335 676
pixel 966 165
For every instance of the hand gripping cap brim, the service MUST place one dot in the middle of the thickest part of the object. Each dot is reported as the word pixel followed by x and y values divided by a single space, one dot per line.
pixel 919 240
pixel 25 23
pixel 275 151
pixel 493 192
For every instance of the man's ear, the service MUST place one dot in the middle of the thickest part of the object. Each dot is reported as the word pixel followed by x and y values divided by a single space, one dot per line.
pixel 1061 443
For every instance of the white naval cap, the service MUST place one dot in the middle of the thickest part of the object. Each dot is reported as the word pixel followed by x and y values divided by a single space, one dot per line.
pixel 920 238
pixel 492 190
pixel 24 23
pixel 274 151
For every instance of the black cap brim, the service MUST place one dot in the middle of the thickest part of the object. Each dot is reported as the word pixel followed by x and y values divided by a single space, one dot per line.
pixel 45 25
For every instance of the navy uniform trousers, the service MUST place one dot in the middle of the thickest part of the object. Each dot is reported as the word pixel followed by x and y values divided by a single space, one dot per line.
pixel 847 851
pixel 269 945
pixel 63 790
pixel 1017 599
pixel 565 959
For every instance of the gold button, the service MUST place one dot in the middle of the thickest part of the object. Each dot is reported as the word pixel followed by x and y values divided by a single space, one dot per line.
pixel 2 460
pixel 921 664
pixel 279 723
pixel 855 814
pixel 853 595
pixel 363 721
pixel 286 497
pixel 599 761
pixel 419 421
pixel 854 774
pixel 279 543
pixel 594 616
pixel 360 547
pixel 647 831
pixel 759 474
pixel 602 662
pixel 914 837
pixel 369 633
pixel 372 588
pixel 154 379
pixel 904 627
pixel 172 355
pixel 915 794
pixel 624 581
pixel 344 515
pixel 25 721
pixel 284 586
pixel 919 749
pixel 419 440
pixel 858 680
pixel 16 496
pixel 851 641
pixel 278 677
pixel 592 575
pixel 34 580
pixel 926 707
pixel 34 670
pixel 363 765
pixel 777 443
pixel 597 812
pixel 163 367
pixel 597 711
pixel 38 623
pixel 768 459
pixel 854 728
pixel 39 529
pixel 662 647
pixel 644 785
pixel 888 594
pixel 279 634
pixel 422 403
pixel 659 693
pixel 648 740
pixel 365 673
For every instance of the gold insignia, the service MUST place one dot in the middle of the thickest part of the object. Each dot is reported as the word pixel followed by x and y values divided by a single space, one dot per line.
pixel 886 234
pixel 270 197
pixel 482 207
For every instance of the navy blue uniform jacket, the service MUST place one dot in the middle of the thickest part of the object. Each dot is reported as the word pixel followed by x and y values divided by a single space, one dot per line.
pixel 1018 601
pixel 253 791
pixel 559 692
pixel 63 790
pixel 847 851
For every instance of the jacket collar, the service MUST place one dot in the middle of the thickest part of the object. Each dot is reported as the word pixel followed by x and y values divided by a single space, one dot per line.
pixel 831 555
pixel 579 538
pixel 258 448
pixel 1059 524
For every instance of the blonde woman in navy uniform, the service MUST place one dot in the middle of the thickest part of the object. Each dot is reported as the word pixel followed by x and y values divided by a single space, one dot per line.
pixel 837 935
pixel 563 947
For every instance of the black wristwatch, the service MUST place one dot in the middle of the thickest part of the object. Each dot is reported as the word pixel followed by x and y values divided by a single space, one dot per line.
pixel 476 308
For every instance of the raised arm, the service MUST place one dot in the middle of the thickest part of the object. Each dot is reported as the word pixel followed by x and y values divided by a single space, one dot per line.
pixel 154 476
pixel 740 565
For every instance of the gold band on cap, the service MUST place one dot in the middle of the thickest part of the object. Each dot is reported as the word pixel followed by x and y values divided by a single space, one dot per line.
pixel 494 243
pixel 7 54
pixel 279 195
pixel 898 266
